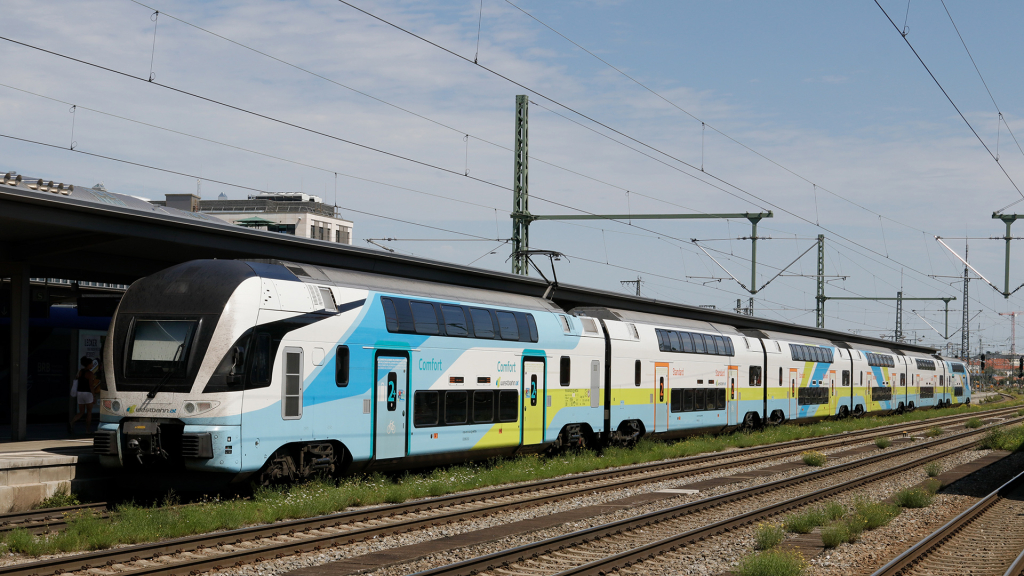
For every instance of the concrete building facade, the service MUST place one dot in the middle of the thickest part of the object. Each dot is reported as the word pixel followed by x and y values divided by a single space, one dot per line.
pixel 292 213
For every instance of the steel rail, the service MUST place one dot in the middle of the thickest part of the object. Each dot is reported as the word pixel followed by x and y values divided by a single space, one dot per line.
pixel 292 527
pixel 505 558
pixel 918 552
pixel 52 523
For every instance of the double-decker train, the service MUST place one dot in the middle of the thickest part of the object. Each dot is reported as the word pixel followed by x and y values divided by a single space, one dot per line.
pixel 284 370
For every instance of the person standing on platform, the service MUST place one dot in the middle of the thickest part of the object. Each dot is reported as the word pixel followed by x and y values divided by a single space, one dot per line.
pixel 87 390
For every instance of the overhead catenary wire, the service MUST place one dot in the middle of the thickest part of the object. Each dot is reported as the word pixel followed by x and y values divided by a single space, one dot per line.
pixel 950 99
pixel 225 183
pixel 426 164
pixel 562 204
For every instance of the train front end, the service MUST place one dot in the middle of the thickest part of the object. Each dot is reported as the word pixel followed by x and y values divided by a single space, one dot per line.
pixel 176 366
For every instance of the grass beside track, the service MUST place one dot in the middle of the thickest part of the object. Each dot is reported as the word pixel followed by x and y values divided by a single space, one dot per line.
pixel 134 523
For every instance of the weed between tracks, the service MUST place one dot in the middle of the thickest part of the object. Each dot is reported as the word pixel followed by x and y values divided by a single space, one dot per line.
pixel 1011 439
pixel 134 523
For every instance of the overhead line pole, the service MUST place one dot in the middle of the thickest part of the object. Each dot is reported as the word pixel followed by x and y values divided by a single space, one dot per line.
pixel 898 335
pixel 1007 219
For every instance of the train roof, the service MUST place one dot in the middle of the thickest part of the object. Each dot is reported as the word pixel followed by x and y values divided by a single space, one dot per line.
pixel 411 287
pixel 526 293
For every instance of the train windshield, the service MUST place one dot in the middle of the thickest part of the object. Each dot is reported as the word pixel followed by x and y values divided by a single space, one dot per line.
pixel 159 348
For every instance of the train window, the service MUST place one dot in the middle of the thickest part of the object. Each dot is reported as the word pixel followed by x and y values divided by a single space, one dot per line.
pixel 390 316
pixel 677 400
pixel 846 377
pixel 698 344
pixel 341 366
pixel 728 346
pixel 688 399
pixel 720 404
pixel 483 326
pixel 261 361
pixel 720 344
pixel 532 325
pixel 291 405
pixel 508 406
pixel 698 399
pixel 754 374
pixel 589 325
pixel 673 342
pixel 685 342
pixel 329 304
pixel 456 406
pixel 424 408
pixel 746 342
pixel 925 364
pixel 564 365
pixel 454 321
pixel 636 373
pixel 507 326
pixel 483 406
pixel 424 318
pixel 661 339
pixel 780 375
pixel 565 324
pixel 709 344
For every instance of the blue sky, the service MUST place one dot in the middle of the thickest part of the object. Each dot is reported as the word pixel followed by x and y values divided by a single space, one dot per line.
pixel 829 91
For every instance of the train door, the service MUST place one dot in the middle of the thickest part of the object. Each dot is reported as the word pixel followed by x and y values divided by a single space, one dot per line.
pixel 662 392
pixel 734 395
pixel 833 400
pixel 392 392
pixel 534 400
pixel 793 385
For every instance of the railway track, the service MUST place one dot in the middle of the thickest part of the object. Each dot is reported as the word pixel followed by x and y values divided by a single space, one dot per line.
pixel 236 547
pixel 986 539
pixel 633 542
pixel 54 519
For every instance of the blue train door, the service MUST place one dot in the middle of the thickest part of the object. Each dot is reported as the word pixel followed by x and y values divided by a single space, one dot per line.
pixel 392 402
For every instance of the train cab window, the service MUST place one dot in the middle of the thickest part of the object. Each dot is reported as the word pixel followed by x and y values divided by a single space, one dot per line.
pixel 483 406
pixel 390 316
pixel 636 373
pixel 454 321
pixel 698 399
pixel 341 366
pixel 754 374
pixel 687 342
pixel 508 406
pixel 483 326
pixel 424 408
pixel 456 406
pixel 291 405
pixel 688 399
pixel 507 326
pixel 564 365
pixel 720 404
pixel 424 318
pixel 846 377
pixel 261 362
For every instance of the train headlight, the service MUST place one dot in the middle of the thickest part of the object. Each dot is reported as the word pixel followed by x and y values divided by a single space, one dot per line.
pixel 116 406
pixel 196 407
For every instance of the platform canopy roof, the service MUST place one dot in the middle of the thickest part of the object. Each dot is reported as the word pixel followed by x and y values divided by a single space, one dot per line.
pixel 89 234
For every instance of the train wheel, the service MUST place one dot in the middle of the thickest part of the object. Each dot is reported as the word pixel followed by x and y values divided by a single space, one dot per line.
pixel 750 421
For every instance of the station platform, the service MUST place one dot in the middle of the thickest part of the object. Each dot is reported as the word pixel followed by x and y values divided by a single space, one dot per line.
pixel 49 462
